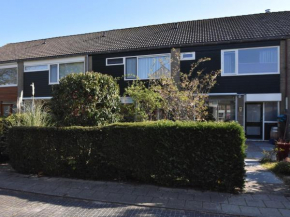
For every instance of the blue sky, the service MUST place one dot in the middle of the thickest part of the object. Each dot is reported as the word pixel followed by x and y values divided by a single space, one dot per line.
pixel 36 19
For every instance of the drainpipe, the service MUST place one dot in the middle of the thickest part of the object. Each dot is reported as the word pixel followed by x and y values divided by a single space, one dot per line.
pixel 286 73
pixel 87 63
pixel 286 88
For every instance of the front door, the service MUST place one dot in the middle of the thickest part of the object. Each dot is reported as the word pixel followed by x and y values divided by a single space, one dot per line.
pixel 254 120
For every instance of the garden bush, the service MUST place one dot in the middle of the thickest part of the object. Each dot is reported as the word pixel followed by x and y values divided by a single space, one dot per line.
pixel 282 168
pixel 86 99
pixel 4 125
pixel 195 154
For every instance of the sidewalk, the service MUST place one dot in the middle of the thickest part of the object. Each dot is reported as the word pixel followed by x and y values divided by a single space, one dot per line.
pixel 265 199
pixel 259 179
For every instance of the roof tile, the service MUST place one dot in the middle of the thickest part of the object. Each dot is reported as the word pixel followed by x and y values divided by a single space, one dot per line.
pixel 219 30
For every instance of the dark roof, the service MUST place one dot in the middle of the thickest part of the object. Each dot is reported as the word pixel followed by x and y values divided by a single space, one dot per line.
pixel 275 25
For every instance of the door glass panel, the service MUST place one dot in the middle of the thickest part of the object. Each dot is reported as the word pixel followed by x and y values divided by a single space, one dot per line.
pixel 271 111
pixel 253 131
pixel 254 113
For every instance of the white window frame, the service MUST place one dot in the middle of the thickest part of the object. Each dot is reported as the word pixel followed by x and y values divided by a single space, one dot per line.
pixel 57 82
pixel 237 62
pixel 184 58
pixel 52 83
pixel 8 66
pixel 116 64
pixel 37 70
pixel 48 62
pixel 143 56
pixel 264 121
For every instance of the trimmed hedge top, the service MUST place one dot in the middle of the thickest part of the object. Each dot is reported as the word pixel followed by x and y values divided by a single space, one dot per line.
pixel 205 155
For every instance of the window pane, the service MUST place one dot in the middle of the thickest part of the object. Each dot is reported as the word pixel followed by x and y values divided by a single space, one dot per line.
pixel 36 68
pixel 187 55
pixel 131 68
pixel 53 74
pixel 115 61
pixel 154 67
pixel 271 110
pixel 68 68
pixel 260 60
pixel 8 76
pixel 253 131
pixel 254 113
pixel 222 108
pixel 229 62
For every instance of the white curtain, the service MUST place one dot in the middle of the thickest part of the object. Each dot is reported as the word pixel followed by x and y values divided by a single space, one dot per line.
pixel 229 62
pixel 131 68
pixel 154 67
pixel 258 60
pixel 68 68
pixel 268 55
pixel 53 74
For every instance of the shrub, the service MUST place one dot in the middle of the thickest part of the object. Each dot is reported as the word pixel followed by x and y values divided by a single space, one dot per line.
pixel 282 168
pixel 145 101
pixel 36 114
pixel 4 124
pixel 86 99
pixel 1 125
pixel 204 155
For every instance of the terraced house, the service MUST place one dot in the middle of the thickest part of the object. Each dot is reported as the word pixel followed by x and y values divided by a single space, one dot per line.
pixel 252 52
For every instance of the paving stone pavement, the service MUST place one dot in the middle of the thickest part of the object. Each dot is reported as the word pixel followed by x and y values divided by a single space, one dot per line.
pixel 247 204
pixel 265 195
pixel 19 204
pixel 259 179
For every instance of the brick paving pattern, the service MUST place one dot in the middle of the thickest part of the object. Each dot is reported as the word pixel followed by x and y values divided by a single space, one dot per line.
pixel 18 204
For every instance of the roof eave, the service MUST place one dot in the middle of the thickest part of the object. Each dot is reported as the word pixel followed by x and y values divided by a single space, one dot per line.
pixel 152 48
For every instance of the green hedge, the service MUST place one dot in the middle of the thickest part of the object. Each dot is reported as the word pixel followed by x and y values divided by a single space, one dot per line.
pixel 3 144
pixel 205 155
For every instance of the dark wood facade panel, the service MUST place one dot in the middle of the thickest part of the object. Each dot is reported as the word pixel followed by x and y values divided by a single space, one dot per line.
pixel 8 94
pixel 40 80
pixel 233 84
pixel 99 64
pixel 229 84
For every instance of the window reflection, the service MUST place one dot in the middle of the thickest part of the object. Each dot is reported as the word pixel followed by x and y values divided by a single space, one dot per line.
pixel 222 108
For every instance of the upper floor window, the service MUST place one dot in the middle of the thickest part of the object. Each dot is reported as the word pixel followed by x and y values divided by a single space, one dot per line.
pixel 8 76
pixel 250 61
pixel 147 67
pixel 143 67
pixel 115 61
pixel 187 56
pixel 36 68
pixel 58 71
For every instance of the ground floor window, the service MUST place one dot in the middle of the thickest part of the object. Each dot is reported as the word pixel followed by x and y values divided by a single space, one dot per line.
pixel 222 108
pixel 7 108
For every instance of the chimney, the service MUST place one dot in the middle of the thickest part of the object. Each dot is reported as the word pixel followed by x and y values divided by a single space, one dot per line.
pixel 268 11
pixel 176 26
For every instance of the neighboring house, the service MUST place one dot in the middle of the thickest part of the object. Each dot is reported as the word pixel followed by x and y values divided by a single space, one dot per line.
pixel 252 51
